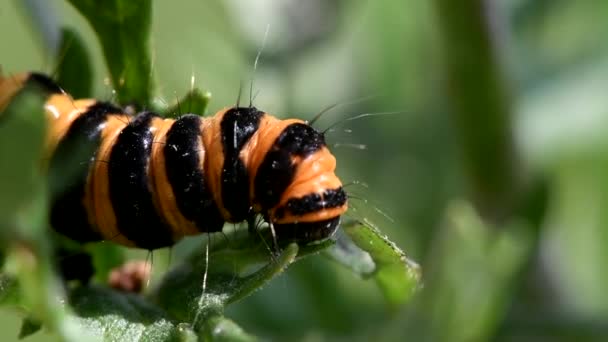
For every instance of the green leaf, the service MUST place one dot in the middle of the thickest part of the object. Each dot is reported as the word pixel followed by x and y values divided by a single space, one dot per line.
pixel 22 131
pixel 23 214
pixel 219 328
pixel 118 316
pixel 235 267
pixel 123 28
pixel 397 276
pixel 348 254
pixel 40 293
pixel 29 327
pixel 195 102
pixel 576 243
pixel 470 277
pixel 74 71
pixel 105 257
pixel 9 290
pixel 181 291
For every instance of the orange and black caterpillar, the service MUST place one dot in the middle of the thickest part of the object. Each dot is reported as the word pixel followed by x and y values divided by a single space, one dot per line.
pixel 148 181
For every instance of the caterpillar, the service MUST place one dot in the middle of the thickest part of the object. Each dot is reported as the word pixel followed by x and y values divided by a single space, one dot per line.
pixel 149 181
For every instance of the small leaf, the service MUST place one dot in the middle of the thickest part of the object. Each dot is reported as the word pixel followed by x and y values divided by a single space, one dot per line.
pixel 74 71
pixel 397 276
pixel 346 253
pixel 195 102
pixel 123 28
pixel 29 327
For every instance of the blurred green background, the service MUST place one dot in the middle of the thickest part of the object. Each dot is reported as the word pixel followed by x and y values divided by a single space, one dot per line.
pixel 502 108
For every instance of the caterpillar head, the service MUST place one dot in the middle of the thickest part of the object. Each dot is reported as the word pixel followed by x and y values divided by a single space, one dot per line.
pixel 310 206
pixel 283 165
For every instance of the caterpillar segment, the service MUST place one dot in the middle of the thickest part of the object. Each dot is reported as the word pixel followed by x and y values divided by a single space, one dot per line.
pixel 146 181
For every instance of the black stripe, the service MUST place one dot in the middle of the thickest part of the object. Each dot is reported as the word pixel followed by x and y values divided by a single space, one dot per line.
pixel 44 82
pixel 238 125
pixel 330 198
pixel 187 180
pixel 276 171
pixel 131 198
pixel 304 232
pixel 68 171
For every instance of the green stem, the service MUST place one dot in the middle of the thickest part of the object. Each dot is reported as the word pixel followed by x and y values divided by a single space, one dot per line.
pixel 481 104
pixel 123 28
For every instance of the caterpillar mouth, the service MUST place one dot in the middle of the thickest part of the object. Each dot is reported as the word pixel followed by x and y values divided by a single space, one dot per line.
pixel 305 232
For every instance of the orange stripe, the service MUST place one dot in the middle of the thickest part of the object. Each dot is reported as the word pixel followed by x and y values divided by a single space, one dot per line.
pixel 61 111
pixel 97 194
pixel 314 174
pixel 254 152
pixel 212 141
pixel 163 195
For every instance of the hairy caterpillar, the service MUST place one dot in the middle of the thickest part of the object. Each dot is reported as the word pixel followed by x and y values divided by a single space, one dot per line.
pixel 148 181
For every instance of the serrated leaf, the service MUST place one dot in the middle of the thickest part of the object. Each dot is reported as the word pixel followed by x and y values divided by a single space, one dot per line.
pixel 397 276
pixel 74 72
pixel 119 316
pixel 181 292
pixel 123 29
pixel 195 102
pixel 238 265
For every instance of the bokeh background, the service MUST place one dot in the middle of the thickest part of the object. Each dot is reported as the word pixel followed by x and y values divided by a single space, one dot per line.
pixel 493 170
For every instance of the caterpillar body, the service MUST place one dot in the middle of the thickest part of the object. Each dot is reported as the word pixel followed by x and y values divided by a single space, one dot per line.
pixel 148 181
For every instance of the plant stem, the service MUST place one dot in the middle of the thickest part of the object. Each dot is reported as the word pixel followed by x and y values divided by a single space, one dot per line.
pixel 482 109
